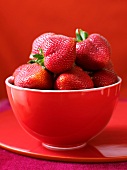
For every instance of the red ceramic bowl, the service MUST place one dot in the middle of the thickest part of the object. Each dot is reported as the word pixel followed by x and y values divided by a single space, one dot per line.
pixel 63 119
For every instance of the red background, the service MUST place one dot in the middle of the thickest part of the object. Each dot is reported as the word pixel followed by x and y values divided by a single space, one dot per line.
pixel 22 21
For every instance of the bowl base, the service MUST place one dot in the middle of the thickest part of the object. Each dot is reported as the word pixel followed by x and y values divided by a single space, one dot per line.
pixel 63 148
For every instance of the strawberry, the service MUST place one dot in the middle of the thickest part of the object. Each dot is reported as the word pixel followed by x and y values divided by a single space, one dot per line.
pixel 92 52
pixel 17 71
pixel 57 52
pixel 33 76
pixel 74 79
pixel 39 41
pixel 104 77
pixel 109 66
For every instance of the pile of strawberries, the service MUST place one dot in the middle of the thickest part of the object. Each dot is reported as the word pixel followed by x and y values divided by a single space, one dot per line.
pixel 65 63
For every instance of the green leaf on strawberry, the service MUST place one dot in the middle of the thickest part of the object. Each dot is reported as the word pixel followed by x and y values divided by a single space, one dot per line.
pixel 39 58
pixel 81 35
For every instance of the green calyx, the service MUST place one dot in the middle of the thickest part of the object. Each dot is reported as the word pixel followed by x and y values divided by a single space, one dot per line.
pixel 38 58
pixel 81 35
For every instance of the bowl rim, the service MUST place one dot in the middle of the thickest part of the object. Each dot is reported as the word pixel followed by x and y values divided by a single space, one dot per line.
pixel 10 78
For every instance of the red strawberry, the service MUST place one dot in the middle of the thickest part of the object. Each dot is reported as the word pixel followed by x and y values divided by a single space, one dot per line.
pixel 104 78
pixel 109 66
pixel 92 52
pixel 17 71
pixel 59 53
pixel 33 76
pixel 73 79
pixel 39 41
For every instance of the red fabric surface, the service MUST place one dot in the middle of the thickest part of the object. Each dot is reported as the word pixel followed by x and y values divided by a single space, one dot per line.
pixel 11 161
pixel 21 22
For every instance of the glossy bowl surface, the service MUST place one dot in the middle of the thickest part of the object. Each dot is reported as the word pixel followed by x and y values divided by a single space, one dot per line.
pixel 63 118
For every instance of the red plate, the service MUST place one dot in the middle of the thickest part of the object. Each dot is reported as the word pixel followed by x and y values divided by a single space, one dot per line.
pixel 109 146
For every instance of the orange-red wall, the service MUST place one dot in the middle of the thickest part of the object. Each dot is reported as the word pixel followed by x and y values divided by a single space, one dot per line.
pixel 22 21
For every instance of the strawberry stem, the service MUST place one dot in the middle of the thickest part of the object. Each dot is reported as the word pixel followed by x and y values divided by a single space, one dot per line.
pixel 38 58
pixel 78 36
pixel 81 35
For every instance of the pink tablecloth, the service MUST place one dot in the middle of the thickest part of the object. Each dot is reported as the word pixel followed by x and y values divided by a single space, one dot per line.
pixel 13 161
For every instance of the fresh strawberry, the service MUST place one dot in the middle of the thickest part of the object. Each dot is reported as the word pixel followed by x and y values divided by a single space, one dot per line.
pixel 104 78
pixel 92 52
pixel 58 52
pixel 17 71
pixel 73 79
pixel 33 76
pixel 39 41
pixel 109 66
